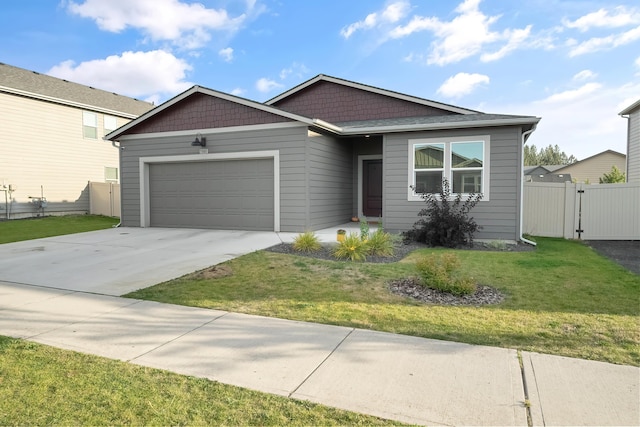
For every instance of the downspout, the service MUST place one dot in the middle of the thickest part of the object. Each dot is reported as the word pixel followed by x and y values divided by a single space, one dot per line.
pixel 524 140
pixel 113 142
pixel 627 116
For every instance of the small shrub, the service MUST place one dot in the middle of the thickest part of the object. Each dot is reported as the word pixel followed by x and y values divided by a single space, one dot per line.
pixel 441 272
pixel 352 248
pixel 306 242
pixel 444 222
pixel 380 243
pixel 364 229
pixel 497 245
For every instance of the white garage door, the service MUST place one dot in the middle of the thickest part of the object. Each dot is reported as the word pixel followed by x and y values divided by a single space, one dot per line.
pixel 224 194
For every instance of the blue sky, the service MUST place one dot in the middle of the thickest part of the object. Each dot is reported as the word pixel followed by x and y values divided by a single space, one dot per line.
pixel 574 63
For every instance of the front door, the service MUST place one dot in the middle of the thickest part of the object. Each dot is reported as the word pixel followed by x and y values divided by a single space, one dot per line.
pixel 372 188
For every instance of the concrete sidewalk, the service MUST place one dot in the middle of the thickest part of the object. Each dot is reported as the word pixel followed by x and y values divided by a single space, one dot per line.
pixel 398 377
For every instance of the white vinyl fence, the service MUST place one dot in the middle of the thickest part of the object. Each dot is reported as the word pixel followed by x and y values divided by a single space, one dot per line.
pixel 104 198
pixel 582 211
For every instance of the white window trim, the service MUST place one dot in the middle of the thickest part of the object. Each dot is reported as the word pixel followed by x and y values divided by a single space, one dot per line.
pixel 145 214
pixel 486 183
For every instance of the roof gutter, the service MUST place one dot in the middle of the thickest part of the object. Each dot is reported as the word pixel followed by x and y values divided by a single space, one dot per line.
pixel 525 136
pixel 437 126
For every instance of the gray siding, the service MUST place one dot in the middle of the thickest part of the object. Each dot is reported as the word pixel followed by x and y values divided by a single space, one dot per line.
pixel 499 217
pixel 289 141
pixel 330 181
pixel 633 147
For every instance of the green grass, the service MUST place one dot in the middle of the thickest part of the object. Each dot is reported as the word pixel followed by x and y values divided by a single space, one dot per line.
pixel 562 298
pixel 42 385
pixel 26 229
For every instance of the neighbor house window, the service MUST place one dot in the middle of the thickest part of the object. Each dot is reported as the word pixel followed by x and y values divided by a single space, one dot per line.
pixel 462 161
pixel 110 174
pixel 89 125
pixel 110 124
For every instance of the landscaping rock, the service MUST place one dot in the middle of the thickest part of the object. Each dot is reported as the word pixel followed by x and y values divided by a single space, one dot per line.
pixel 411 288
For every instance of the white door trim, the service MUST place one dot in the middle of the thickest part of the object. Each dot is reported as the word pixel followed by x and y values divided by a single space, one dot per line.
pixel 360 159
pixel 145 214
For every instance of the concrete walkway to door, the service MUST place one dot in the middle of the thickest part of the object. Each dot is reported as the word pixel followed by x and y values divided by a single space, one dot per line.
pixel 120 260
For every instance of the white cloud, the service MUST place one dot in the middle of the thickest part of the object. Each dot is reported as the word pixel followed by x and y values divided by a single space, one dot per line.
pixel 226 54
pixel 296 69
pixel 265 85
pixel 602 18
pixel 149 75
pixel 187 25
pixel 238 91
pixel 609 42
pixel 583 122
pixel 584 75
pixel 464 36
pixel 389 15
pixel 573 94
pixel 462 84
pixel 637 64
pixel 515 38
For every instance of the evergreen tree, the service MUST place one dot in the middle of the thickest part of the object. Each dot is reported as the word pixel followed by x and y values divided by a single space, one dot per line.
pixel 613 177
pixel 550 155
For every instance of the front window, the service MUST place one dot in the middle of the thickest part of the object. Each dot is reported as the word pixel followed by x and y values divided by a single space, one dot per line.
pixel 429 166
pixel 462 161
pixel 466 166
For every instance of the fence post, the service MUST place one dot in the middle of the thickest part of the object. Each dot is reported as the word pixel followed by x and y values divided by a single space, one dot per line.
pixel 569 210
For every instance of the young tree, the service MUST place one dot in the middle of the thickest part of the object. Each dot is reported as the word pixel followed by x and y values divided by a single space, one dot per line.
pixel 550 155
pixel 613 177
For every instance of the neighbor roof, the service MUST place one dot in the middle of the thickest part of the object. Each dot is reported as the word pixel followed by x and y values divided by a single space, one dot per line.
pixel 373 89
pixel 630 109
pixel 19 81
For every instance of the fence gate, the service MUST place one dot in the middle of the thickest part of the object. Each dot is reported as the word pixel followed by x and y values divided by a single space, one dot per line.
pixel 582 211
pixel 104 198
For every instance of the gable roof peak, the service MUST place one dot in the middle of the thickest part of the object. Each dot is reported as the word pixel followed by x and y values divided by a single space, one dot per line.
pixel 369 88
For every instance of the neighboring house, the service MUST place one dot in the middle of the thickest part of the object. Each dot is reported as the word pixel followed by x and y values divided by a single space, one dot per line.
pixel 545 173
pixel 591 169
pixel 313 157
pixel 51 141
pixel 632 114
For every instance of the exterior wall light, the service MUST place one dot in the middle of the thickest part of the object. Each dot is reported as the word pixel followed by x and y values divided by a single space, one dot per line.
pixel 200 141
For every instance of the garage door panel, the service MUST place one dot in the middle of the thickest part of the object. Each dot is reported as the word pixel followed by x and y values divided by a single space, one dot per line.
pixel 229 194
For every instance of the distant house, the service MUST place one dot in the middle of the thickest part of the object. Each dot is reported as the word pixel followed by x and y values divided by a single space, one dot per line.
pixel 51 142
pixel 591 169
pixel 545 173
pixel 632 114
pixel 315 156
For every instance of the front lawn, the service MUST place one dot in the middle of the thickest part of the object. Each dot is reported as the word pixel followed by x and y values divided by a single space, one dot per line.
pixel 42 385
pixel 562 298
pixel 35 228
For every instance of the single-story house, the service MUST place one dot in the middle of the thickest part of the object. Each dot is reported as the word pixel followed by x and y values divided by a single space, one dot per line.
pixel 632 113
pixel 315 156
pixel 545 173
pixel 51 142
pixel 591 169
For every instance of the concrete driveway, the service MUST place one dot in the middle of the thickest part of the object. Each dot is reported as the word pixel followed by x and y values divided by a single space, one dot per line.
pixel 120 260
